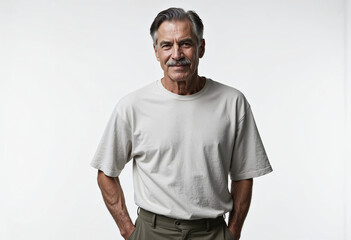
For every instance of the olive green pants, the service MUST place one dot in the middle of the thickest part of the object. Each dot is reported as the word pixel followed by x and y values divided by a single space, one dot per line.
pixel 150 226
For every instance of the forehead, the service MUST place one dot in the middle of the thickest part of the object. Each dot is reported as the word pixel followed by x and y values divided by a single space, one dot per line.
pixel 175 29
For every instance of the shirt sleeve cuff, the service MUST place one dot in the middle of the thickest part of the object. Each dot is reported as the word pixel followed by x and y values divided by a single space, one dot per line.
pixel 247 175
pixel 106 170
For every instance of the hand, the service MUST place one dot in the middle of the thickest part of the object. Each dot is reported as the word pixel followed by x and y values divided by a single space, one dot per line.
pixel 236 235
pixel 126 236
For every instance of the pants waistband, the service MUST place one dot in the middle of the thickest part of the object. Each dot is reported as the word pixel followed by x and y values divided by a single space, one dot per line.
pixel 167 222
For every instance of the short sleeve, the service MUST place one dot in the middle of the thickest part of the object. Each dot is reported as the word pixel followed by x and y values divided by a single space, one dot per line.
pixel 114 149
pixel 249 157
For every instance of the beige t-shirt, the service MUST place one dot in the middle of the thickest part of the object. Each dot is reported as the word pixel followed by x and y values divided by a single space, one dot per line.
pixel 183 148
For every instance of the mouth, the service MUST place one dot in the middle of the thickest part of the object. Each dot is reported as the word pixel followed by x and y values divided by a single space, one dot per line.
pixel 179 68
pixel 179 65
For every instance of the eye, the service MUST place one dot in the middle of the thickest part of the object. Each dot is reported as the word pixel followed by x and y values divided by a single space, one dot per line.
pixel 186 44
pixel 166 46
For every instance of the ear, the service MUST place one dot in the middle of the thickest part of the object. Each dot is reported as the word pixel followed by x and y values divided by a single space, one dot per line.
pixel 202 48
pixel 156 52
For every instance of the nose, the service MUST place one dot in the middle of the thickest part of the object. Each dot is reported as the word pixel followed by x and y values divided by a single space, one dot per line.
pixel 177 52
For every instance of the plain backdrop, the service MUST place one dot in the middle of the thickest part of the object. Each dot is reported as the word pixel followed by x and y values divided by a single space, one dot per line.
pixel 65 64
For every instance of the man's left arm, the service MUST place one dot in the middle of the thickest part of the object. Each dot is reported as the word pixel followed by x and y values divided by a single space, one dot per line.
pixel 241 192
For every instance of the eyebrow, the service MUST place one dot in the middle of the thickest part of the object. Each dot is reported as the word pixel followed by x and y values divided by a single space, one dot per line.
pixel 180 42
pixel 186 40
pixel 164 42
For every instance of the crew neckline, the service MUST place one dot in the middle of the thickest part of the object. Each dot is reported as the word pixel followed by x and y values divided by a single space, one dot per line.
pixel 183 97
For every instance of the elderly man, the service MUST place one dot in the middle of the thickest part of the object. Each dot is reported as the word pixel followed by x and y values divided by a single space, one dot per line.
pixel 185 133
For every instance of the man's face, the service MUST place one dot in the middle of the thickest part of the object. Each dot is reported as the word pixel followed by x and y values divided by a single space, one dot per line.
pixel 178 50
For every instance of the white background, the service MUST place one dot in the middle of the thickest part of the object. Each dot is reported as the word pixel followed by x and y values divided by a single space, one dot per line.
pixel 65 64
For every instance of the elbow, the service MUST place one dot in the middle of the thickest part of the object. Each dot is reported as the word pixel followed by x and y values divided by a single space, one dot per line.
pixel 100 177
pixel 104 181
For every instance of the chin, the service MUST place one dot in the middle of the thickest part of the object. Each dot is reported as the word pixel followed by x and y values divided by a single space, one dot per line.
pixel 179 78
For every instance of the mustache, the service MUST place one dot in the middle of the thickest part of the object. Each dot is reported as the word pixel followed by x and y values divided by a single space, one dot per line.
pixel 183 61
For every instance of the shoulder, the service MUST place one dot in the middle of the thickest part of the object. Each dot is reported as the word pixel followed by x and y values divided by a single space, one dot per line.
pixel 129 102
pixel 136 96
pixel 230 94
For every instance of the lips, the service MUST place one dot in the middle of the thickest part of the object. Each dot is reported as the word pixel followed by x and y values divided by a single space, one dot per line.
pixel 182 65
pixel 179 66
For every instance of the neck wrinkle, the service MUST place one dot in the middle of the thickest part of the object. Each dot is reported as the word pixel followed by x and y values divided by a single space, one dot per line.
pixel 181 89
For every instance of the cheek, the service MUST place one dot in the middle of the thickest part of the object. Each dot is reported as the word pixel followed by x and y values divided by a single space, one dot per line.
pixel 194 59
pixel 163 58
pixel 193 55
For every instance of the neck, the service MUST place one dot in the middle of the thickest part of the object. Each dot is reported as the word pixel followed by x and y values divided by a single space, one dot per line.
pixel 186 87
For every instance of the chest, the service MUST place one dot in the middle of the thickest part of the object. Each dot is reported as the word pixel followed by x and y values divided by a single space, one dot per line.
pixel 183 125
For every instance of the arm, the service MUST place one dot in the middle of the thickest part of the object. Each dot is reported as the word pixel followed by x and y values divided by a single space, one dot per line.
pixel 114 199
pixel 241 192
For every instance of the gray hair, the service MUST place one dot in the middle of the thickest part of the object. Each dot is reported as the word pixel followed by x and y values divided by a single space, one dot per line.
pixel 177 14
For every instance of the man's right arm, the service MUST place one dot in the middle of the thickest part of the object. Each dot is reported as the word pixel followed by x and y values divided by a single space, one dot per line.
pixel 114 199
